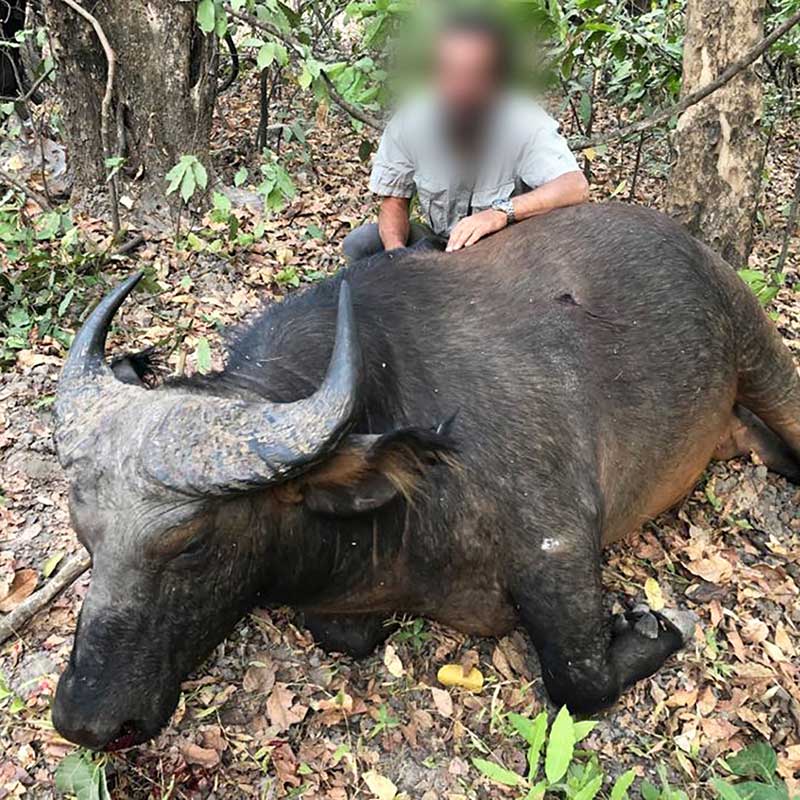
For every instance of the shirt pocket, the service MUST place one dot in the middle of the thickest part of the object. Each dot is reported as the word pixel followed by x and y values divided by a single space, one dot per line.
pixel 484 197
pixel 434 203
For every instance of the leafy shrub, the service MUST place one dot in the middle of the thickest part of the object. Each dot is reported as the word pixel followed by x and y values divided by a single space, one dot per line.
pixel 49 275
pixel 567 773
pixel 574 774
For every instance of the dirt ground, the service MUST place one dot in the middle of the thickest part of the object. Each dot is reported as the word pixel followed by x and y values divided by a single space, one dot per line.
pixel 270 714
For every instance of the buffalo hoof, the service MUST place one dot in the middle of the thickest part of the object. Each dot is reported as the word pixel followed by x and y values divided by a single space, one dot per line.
pixel 684 621
pixel 647 622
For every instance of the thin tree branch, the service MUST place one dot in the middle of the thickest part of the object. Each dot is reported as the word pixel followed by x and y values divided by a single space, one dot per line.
pixel 23 98
pixel 353 111
pixel 105 111
pixel 791 223
pixel 35 196
pixel 695 97
pixel 28 608
pixel 637 165
pixel 299 48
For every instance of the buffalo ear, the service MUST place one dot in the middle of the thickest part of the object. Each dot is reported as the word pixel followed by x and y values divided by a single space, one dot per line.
pixel 366 472
pixel 137 369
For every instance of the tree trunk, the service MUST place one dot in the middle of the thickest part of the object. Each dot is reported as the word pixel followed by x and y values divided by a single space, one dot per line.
pixel 714 184
pixel 164 90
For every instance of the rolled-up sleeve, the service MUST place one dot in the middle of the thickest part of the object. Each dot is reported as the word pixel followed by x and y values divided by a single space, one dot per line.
pixel 546 155
pixel 393 168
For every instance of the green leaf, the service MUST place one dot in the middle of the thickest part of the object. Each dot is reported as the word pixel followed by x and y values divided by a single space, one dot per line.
pixel 188 185
pixel 757 761
pixel 51 563
pixel 266 55
pixel 537 792
pixel 195 242
pixel 622 784
pixel 281 55
pixel 200 174
pixel 591 789
pixel 560 747
pixel 306 78
pixel 240 177
pixel 523 726
pixel 649 792
pixel 64 304
pixel 751 790
pixel 221 202
pixel 202 353
pixel 79 776
pixel 497 773
pixel 175 175
pixel 725 790
pixel 221 24
pixel 583 729
pixel 74 774
pixel 341 751
pixel 534 733
pixel 206 15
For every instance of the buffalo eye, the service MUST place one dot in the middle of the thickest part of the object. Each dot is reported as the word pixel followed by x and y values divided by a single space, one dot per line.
pixel 196 547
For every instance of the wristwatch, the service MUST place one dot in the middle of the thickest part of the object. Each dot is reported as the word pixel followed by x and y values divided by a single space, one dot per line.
pixel 507 207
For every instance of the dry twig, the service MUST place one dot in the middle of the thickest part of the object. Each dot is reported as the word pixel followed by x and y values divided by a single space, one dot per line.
pixel 35 196
pixel 28 608
pixel 23 98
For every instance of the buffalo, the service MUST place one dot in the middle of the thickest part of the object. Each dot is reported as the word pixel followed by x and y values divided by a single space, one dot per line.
pixel 449 435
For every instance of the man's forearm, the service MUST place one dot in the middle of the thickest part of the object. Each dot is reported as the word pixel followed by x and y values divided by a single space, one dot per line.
pixel 569 189
pixel 393 222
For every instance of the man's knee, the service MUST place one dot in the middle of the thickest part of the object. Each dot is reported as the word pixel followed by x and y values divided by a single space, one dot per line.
pixel 363 242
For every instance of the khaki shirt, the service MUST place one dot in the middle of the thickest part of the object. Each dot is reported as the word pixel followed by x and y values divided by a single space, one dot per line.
pixel 523 150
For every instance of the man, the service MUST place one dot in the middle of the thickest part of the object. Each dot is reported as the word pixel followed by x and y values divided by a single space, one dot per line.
pixel 477 157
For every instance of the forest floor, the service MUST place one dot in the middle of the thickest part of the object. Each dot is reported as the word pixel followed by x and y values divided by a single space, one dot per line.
pixel 270 714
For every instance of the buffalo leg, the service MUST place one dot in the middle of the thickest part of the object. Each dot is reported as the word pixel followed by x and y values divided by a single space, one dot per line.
pixel 586 660
pixel 748 434
pixel 769 387
pixel 355 635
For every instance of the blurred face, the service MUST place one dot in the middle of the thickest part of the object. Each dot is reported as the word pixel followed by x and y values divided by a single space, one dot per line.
pixel 466 73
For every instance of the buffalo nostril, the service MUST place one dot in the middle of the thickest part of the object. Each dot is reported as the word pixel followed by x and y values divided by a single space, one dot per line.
pixel 129 734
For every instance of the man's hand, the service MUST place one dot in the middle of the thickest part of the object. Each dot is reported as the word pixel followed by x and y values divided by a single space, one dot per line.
pixel 472 229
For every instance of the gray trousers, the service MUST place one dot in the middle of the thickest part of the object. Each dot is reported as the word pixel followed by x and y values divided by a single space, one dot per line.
pixel 365 241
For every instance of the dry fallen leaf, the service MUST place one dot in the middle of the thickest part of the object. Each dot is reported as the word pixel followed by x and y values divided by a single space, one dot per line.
pixel 281 709
pixel 201 756
pixel 707 701
pixel 21 587
pixel 754 631
pixel 393 662
pixel 783 641
pixel 500 663
pixel 442 701
pixel 682 698
pixel 260 677
pixel 652 592
pixel 381 787
pixel 713 568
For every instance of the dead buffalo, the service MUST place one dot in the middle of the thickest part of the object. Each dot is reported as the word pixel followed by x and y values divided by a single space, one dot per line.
pixel 459 440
